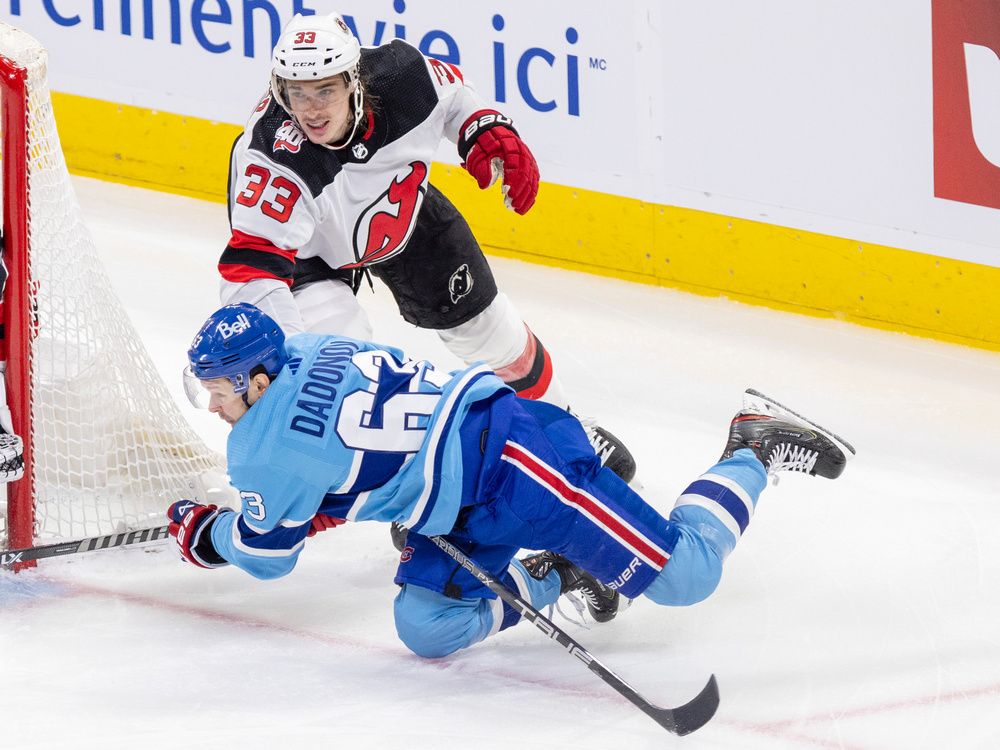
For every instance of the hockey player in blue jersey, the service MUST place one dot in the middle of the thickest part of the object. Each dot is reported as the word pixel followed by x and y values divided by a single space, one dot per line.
pixel 326 428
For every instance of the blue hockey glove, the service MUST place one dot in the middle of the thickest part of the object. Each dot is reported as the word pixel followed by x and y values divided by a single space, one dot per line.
pixel 190 526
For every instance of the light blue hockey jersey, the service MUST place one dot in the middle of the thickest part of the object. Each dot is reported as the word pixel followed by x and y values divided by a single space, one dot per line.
pixel 356 428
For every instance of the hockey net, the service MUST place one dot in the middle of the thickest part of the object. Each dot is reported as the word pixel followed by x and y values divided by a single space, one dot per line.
pixel 105 448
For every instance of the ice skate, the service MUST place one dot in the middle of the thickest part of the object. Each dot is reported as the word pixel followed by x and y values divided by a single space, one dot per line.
pixel 602 602
pixel 784 440
pixel 612 451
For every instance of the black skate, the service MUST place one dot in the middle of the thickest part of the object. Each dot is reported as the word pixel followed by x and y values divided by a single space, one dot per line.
pixel 784 440
pixel 602 602
pixel 398 532
pixel 609 449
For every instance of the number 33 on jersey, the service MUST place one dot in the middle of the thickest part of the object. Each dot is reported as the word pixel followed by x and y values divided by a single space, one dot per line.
pixel 291 199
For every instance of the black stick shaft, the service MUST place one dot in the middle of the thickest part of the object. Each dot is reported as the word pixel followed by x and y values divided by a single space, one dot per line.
pixel 10 558
pixel 682 720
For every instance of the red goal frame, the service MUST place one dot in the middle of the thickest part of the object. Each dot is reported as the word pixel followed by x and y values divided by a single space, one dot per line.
pixel 17 329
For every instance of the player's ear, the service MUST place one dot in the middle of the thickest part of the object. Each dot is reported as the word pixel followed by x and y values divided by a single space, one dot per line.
pixel 258 384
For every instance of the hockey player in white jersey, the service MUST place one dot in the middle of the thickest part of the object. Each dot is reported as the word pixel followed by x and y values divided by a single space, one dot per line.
pixel 330 181
pixel 326 428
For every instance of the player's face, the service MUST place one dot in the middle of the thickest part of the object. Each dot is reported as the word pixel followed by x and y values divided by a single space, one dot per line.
pixel 323 108
pixel 223 401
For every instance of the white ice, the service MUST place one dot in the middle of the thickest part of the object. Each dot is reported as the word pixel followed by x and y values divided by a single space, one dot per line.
pixel 858 613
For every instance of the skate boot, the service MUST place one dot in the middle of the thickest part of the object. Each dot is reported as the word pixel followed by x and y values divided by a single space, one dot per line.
pixel 602 602
pixel 398 533
pixel 784 440
pixel 612 451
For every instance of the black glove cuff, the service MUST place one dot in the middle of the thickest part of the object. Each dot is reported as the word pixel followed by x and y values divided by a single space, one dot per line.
pixel 203 548
pixel 479 123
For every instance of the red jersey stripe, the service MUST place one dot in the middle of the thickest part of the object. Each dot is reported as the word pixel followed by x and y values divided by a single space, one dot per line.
pixel 239 273
pixel 242 241
pixel 587 503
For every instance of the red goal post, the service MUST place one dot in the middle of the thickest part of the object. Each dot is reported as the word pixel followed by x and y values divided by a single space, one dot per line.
pixel 14 103
pixel 105 448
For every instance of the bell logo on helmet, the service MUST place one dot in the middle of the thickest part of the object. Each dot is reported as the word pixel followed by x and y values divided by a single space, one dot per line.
pixel 231 344
pixel 238 326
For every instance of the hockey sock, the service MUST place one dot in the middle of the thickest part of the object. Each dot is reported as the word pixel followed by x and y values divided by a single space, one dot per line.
pixel 711 515
pixel 721 502
pixel 530 374
pixel 539 594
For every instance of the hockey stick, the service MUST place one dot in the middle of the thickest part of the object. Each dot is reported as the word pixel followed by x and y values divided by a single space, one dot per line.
pixel 681 720
pixel 12 557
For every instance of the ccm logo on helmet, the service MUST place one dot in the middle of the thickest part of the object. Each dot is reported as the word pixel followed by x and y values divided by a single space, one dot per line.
pixel 238 326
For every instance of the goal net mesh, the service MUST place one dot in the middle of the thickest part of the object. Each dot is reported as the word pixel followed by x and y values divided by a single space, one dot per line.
pixel 111 450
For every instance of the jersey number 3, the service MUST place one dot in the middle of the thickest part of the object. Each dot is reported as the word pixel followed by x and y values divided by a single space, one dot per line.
pixel 283 193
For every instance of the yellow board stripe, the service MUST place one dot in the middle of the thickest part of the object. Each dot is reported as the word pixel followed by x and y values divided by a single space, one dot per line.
pixel 681 248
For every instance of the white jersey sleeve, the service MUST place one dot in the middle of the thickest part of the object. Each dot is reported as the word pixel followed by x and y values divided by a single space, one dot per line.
pixel 272 296
pixel 458 97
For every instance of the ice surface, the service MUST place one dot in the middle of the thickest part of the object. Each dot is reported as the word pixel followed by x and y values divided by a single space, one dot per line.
pixel 860 613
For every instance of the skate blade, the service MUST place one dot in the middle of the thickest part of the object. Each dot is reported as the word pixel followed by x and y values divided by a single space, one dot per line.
pixel 581 615
pixel 757 402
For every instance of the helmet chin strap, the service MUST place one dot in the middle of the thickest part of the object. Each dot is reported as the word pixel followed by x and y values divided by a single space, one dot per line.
pixel 359 111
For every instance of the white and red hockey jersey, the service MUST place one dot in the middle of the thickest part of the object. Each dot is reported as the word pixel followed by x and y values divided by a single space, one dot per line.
pixel 291 199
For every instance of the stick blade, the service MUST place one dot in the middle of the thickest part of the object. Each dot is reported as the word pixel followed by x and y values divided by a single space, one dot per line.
pixel 694 714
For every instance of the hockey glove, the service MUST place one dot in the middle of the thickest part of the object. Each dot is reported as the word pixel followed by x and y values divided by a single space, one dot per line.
pixel 322 522
pixel 190 526
pixel 490 148
pixel 11 457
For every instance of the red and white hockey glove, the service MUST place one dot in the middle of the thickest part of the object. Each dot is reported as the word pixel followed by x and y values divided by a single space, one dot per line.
pixel 190 527
pixel 490 148
pixel 322 522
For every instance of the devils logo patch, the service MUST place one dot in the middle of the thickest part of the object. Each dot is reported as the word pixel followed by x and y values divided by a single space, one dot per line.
pixel 460 283
pixel 386 224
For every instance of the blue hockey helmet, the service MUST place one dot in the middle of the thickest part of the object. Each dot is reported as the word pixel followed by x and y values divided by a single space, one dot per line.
pixel 232 342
